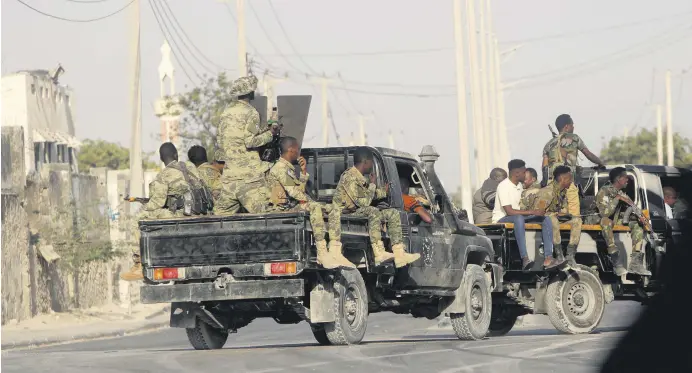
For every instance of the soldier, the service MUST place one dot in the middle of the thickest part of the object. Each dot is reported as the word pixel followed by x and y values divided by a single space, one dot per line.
pixel 563 150
pixel 288 194
pixel 531 188
pixel 553 199
pixel 608 203
pixel 165 200
pixel 209 172
pixel 353 196
pixel 244 182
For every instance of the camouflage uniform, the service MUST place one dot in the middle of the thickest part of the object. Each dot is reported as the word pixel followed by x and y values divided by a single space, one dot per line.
pixel 211 177
pixel 243 182
pixel 554 202
pixel 288 194
pixel 353 196
pixel 170 182
pixel 571 144
pixel 528 196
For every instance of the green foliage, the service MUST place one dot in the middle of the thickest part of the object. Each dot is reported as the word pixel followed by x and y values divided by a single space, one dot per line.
pixel 203 108
pixel 100 153
pixel 642 149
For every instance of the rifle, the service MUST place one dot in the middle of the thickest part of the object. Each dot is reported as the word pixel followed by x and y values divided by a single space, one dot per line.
pixel 552 132
pixel 636 211
pixel 136 199
pixel 270 152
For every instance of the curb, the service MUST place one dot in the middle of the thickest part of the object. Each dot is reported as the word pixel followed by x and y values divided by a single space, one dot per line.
pixel 134 329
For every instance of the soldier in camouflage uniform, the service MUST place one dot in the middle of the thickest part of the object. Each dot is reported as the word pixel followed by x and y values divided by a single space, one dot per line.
pixel 608 202
pixel 563 151
pixel 531 188
pixel 288 194
pixel 353 196
pixel 164 193
pixel 244 181
pixel 209 172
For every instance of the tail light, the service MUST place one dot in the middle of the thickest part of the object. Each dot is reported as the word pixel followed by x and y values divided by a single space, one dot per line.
pixel 280 268
pixel 646 214
pixel 169 273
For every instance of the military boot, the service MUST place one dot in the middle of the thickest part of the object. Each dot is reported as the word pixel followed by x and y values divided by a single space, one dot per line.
pixel 135 273
pixel 618 268
pixel 381 255
pixel 402 258
pixel 558 254
pixel 339 258
pixel 324 257
pixel 571 255
pixel 637 264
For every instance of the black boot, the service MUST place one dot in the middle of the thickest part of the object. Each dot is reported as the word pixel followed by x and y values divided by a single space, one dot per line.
pixel 558 254
pixel 618 268
pixel 571 253
pixel 637 264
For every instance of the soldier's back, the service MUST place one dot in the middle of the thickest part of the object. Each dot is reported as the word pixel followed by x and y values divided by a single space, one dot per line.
pixel 239 118
pixel 563 150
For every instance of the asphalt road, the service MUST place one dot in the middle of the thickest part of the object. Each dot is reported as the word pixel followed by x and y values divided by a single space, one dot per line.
pixel 393 343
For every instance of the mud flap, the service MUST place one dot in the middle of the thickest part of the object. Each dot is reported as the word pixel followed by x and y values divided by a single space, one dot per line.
pixel 539 306
pixel 321 305
pixel 185 314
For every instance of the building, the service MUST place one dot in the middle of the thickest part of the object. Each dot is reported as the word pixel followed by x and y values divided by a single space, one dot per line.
pixel 35 101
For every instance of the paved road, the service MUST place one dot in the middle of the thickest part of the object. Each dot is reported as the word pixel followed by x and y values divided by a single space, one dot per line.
pixel 393 343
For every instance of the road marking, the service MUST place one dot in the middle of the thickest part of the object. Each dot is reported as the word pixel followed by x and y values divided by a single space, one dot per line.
pixel 580 352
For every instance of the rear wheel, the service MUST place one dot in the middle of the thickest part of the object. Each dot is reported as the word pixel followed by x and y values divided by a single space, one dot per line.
pixel 350 309
pixel 205 337
pixel 320 334
pixel 474 323
pixel 575 303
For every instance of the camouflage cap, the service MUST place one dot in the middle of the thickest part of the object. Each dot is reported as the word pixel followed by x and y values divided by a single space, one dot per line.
pixel 244 85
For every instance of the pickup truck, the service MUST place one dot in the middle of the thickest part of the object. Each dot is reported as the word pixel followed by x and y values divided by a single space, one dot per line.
pixel 575 300
pixel 221 273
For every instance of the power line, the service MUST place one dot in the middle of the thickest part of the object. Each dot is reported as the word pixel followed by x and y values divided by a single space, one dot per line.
pixel 76 20
pixel 290 43
pixel 87 1
pixel 249 42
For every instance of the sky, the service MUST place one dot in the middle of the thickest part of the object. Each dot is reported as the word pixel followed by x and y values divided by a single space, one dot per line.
pixel 603 62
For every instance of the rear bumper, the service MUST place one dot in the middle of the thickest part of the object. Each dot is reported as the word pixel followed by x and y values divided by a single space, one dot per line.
pixel 238 290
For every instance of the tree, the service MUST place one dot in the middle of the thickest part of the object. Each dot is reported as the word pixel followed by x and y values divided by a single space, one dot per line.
pixel 202 111
pixel 100 153
pixel 641 149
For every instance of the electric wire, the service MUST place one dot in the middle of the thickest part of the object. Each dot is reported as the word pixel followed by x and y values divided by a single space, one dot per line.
pixel 76 20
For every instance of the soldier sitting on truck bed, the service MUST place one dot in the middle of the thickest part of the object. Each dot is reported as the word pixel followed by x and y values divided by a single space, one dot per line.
pixel 353 196
pixel 608 202
pixel 165 199
pixel 531 188
pixel 484 198
pixel 209 172
pixel 288 194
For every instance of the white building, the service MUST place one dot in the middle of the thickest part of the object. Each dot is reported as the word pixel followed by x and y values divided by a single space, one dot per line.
pixel 35 101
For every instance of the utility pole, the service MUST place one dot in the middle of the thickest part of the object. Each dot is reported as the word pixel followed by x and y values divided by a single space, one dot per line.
pixel 352 142
pixel 268 83
pixel 501 127
pixel 361 124
pixel 391 140
pixel 464 163
pixel 136 173
pixel 324 81
pixel 492 91
pixel 669 123
pixel 659 134
pixel 476 107
pixel 487 127
pixel 242 52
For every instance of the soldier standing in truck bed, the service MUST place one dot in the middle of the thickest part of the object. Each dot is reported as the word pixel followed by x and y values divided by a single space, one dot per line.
pixel 243 182
pixel 165 200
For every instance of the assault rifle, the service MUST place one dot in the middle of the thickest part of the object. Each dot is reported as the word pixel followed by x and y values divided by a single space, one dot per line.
pixel 636 211
pixel 136 199
pixel 270 152
pixel 552 132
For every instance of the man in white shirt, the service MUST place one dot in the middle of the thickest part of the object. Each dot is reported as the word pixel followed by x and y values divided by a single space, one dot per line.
pixel 507 211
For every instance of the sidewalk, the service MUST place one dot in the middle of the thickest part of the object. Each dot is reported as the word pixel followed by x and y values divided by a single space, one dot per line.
pixel 79 325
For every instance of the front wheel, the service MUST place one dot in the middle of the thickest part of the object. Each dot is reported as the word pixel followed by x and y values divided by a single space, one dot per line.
pixel 575 304
pixel 350 309
pixel 205 337
pixel 320 334
pixel 474 323
pixel 502 320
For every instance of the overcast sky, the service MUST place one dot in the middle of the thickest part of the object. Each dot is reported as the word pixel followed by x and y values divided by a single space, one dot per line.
pixel 604 67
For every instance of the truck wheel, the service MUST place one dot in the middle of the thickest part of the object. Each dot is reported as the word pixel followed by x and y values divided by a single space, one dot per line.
pixel 350 309
pixel 205 337
pixel 576 303
pixel 320 334
pixel 502 320
pixel 474 323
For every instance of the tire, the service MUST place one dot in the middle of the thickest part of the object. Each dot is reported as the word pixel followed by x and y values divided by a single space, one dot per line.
pixel 320 334
pixel 205 337
pixel 575 303
pixel 474 323
pixel 350 309
pixel 502 320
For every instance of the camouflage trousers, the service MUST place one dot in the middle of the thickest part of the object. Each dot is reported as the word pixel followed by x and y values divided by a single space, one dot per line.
pixel 636 231
pixel 254 196
pixel 375 217
pixel 574 231
pixel 144 215
pixel 573 200
pixel 316 217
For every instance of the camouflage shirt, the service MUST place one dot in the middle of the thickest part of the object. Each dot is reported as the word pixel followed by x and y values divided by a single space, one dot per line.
pixel 551 198
pixel 239 136
pixel 170 182
pixel 528 197
pixel 210 175
pixel 353 191
pixel 563 150
pixel 286 187
pixel 606 200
